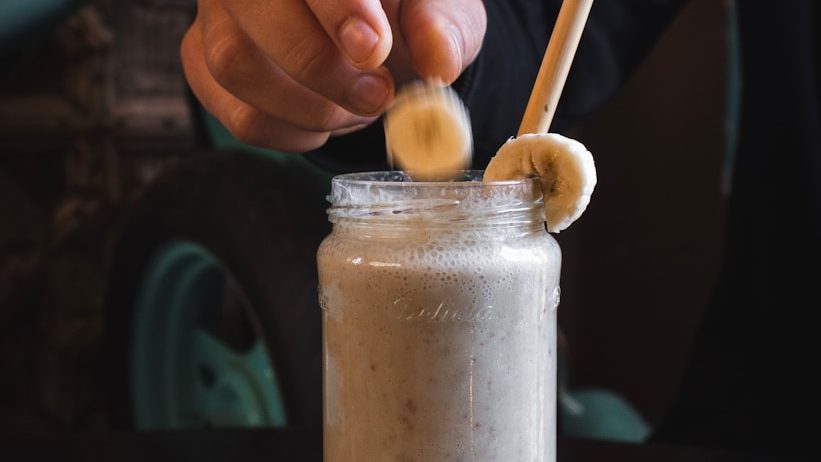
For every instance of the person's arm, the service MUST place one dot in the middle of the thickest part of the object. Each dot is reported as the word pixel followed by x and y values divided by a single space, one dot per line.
pixel 496 87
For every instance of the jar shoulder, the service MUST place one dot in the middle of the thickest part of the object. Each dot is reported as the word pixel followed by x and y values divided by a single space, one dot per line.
pixel 534 247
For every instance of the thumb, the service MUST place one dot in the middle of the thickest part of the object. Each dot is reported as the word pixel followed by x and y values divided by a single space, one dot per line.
pixel 443 36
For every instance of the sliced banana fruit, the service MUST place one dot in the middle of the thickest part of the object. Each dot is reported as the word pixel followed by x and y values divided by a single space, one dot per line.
pixel 564 166
pixel 427 131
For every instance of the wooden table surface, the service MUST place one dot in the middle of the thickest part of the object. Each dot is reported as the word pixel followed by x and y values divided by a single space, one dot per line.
pixel 291 445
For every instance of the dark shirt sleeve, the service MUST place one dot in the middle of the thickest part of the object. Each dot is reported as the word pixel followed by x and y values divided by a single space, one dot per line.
pixel 496 87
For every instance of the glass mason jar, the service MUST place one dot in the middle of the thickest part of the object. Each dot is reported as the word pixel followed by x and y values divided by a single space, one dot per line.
pixel 439 321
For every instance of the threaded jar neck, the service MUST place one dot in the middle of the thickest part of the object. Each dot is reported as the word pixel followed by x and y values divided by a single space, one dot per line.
pixel 392 198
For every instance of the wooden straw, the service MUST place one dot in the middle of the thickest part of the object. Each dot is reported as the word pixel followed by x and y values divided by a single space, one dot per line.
pixel 555 65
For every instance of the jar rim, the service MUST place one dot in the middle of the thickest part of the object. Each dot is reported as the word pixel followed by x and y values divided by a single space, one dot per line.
pixel 393 196
pixel 400 178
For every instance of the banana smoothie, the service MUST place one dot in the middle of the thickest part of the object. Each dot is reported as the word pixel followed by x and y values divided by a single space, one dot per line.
pixel 439 316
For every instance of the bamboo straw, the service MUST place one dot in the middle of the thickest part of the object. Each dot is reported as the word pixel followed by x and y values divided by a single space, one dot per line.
pixel 555 66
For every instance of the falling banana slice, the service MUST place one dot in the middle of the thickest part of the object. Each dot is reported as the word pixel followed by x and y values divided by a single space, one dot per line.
pixel 564 166
pixel 427 131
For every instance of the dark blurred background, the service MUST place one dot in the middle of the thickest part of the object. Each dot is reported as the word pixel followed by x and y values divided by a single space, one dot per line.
pixel 94 108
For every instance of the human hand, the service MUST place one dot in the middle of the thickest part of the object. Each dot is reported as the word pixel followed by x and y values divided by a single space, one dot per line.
pixel 288 74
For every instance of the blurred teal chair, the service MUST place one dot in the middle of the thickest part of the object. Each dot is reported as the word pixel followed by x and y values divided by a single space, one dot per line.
pixel 596 413
pixel 23 21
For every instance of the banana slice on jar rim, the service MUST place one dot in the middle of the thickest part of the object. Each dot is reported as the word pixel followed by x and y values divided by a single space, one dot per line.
pixel 563 165
pixel 427 131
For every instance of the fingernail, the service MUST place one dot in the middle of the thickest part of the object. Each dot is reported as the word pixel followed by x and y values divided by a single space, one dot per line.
pixel 369 94
pixel 450 60
pixel 358 40
pixel 456 46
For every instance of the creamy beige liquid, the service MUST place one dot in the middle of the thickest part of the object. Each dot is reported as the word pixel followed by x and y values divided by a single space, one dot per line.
pixel 439 346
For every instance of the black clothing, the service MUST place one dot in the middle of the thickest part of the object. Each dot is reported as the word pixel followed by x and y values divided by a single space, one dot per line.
pixel 496 87
pixel 750 384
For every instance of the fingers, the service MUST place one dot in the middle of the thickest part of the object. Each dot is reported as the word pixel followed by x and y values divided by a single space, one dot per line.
pixel 443 36
pixel 241 69
pixel 358 27
pixel 288 74
pixel 288 33
pixel 247 123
